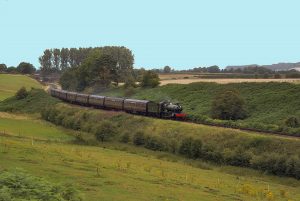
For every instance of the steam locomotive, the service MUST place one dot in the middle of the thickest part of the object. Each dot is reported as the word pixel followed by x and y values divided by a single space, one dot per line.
pixel 164 109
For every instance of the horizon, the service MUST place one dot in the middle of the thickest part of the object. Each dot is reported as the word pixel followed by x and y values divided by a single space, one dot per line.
pixel 180 35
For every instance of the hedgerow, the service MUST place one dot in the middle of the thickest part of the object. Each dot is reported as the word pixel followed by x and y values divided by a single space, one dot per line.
pixel 225 147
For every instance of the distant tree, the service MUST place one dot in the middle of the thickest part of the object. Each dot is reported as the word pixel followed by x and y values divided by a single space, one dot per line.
pixel 21 93
pixel 11 69
pixel 25 68
pixel 228 105
pixel 150 79
pixel 56 59
pixel 64 57
pixel 213 69
pixel 277 76
pixel 3 68
pixel 167 69
pixel 46 62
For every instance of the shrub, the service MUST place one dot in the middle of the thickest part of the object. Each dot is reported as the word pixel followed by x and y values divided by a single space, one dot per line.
pixel 105 131
pixel 191 147
pixel 155 143
pixel 150 79
pixel 18 185
pixel 292 122
pixel 21 93
pixel 139 138
pixel 228 106
pixel 125 138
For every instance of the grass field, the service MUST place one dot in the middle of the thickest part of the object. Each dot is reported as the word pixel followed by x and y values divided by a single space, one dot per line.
pixel 225 81
pixel 103 173
pixel 26 126
pixel 9 84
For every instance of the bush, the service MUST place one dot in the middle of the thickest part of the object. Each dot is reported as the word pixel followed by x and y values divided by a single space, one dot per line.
pixel 139 138
pixel 155 143
pixel 105 131
pixel 18 185
pixel 21 93
pixel 125 138
pixel 292 122
pixel 150 79
pixel 191 147
pixel 228 106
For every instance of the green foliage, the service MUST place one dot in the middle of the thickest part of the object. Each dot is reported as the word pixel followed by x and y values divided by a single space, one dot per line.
pixel 25 68
pixel 105 131
pixel 167 69
pixel 191 147
pixel 292 122
pixel 21 93
pixel 228 105
pixel 268 105
pixel 3 68
pixel 17 185
pixel 35 102
pixel 98 70
pixel 211 144
pixel 150 79
pixel 139 138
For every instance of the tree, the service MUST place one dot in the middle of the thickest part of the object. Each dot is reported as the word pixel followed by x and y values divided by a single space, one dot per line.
pixel 3 68
pixel 46 62
pixel 213 69
pixel 11 69
pixel 25 68
pixel 150 79
pixel 167 69
pixel 228 106
pixel 56 59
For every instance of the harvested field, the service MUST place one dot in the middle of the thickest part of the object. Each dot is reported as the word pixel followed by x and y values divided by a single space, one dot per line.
pixel 225 81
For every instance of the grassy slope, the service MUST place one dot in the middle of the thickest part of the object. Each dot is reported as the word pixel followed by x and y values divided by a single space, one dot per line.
pixel 267 103
pixel 25 126
pixel 9 84
pixel 141 176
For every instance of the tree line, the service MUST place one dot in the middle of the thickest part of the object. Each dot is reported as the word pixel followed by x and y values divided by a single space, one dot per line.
pixel 59 60
pixel 23 68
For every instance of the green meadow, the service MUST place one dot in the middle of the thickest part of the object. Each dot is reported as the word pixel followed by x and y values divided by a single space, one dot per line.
pixel 9 84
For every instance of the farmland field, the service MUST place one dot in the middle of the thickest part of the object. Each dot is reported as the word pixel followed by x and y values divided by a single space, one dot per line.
pixel 9 84
pixel 225 81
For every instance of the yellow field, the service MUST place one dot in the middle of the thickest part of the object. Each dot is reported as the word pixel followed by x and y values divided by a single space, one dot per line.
pixel 225 80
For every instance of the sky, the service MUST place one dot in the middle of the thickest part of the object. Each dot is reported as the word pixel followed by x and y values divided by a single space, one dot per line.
pixel 179 33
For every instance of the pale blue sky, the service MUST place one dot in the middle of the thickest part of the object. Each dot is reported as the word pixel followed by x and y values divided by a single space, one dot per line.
pixel 182 34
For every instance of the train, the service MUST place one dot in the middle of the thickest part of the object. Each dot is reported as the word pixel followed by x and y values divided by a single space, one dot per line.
pixel 163 109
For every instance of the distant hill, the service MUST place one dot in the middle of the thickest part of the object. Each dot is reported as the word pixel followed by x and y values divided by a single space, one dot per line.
pixel 275 67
